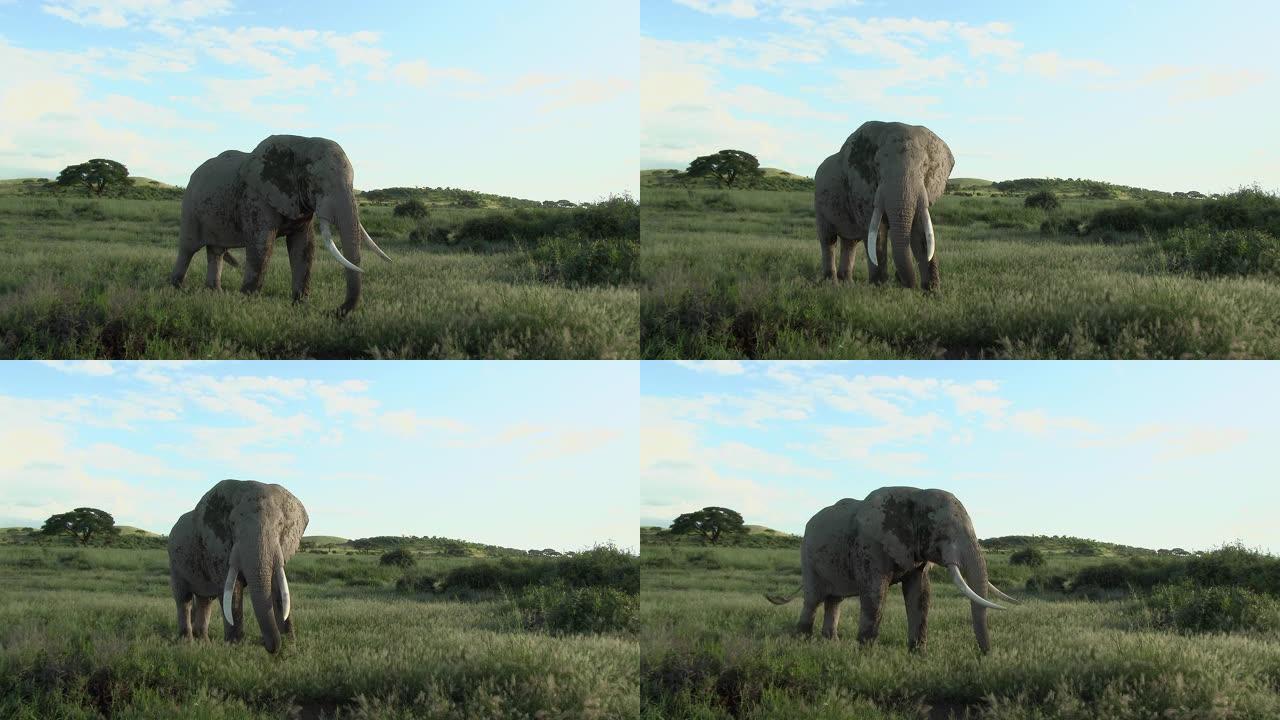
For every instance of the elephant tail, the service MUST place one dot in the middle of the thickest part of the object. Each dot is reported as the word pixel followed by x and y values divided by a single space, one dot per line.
pixel 782 599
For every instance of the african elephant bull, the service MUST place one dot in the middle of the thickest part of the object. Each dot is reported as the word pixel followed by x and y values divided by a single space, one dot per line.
pixel 861 547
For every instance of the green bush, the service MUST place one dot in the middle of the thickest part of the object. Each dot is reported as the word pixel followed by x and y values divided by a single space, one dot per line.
pixel 1045 200
pixel 415 209
pixel 575 260
pixel 603 566
pixel 1203 250
pixel 1236 565
pixel 417 582
pixel 428 234
pixel 1047 583
pixel 1031 557
pixel 398 557
pixel 1189 608
pixel 1138 573
pixel 560 609
pixel 1244 209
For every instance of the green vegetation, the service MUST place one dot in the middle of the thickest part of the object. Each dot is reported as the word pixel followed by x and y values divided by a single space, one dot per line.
pixel 754 536
pixel 89 278
pixel 768 179
pixel 83 524
pixel 734 274
pixel 400 557
pixel 410 209
pixel 728 167
pixel 137 188
pixel 1031 557
pixel 1044 200
pixel 713 647
pixel 95 175
pixel 710 523
pixel 90 633
pixel 1189 608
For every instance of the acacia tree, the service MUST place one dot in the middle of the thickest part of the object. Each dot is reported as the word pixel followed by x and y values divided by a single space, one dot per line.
pixel 709 522
pixel 95 175
pixel 728 166
pixel 82 524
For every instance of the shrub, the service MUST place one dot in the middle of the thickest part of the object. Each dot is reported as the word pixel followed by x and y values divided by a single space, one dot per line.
pixel 1047 583
pixel 1239 566
pixel 413 581
pixel 575 260
pixel 1189 608
pixel 1031 557
pixel 604 566
pixel 398 557
pixel 1139 573
pixel 426 233
pixel 415 209
pixel 561 609
pixel 1203 250
pixel 1045 200
pixel 1060 226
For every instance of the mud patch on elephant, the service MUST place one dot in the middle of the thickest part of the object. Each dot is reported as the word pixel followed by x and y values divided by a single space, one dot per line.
pixel 862 158
pixel 282 168
pixel 902 519
pixel 217 517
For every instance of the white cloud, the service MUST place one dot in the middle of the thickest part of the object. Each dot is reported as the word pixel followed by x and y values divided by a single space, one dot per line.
pixel 124 13
pixel 419 73
pixel 95 368
pixel 714 367
pixel 1052 65
pixel 409 424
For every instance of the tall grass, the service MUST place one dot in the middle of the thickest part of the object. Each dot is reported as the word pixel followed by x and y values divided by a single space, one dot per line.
pixel 745 283
pixel 99 641
pixel 73 286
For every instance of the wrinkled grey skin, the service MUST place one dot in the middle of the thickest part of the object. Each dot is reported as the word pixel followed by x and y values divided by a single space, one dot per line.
pixel 861 547
pixel 259 526
pixel 246 200
pixel 908 167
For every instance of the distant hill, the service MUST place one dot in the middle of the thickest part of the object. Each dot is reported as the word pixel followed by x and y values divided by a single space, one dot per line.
pixel 143 188
pixel 773 179
pixel 1070 187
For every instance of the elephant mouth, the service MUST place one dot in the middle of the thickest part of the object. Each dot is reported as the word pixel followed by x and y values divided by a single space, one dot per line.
pixel 877 213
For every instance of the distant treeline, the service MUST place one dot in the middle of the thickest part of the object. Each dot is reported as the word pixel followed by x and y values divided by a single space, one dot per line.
pixel 427 544
pixel 453 197
pixel 140 189
pixel 772 180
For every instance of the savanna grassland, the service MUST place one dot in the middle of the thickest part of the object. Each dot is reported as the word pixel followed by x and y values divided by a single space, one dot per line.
pixel 735 274
pixel 88 633
pixel 1122 638
pixel 88 278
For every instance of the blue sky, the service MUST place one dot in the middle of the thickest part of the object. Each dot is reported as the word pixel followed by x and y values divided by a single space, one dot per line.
pixel 1169 95
pixel 1153 454
pixel 530 99
pixel 521 454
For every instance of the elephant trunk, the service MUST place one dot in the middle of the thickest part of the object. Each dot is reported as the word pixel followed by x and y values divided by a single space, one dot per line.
pixel 341 211
pixel 259 572
pixel 969 573
pixel 901 207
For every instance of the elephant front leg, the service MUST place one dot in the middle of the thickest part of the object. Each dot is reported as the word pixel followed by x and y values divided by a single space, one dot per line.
pixel 846 259
pixel 807 612
pixel 827 239
pixel 213 271
pixel 929 279
pixel 182 597
pixel 302 254
pixel 235 631
pixel 872 600
pixel 915 591
pixel 831 617
pixel 200 618
pixel 257 253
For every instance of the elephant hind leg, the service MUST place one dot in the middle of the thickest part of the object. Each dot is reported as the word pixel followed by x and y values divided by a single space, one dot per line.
pixel 831 616
pixel 827 239
pixel 180 267
pixel 257 253
pixel 213 272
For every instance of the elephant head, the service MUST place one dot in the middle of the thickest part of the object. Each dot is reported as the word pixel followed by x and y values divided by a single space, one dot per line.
pixel 240 535
pixel 908 527
pixel 900 170
pixel 301 177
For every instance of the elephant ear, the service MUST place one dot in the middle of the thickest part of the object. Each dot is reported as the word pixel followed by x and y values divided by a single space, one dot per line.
pixel 278 173
pixel 859 155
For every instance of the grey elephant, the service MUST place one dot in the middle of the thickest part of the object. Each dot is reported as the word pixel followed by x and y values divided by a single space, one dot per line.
pixel 881 185
pixel 239 535
pixel 246 200
pixel 861 547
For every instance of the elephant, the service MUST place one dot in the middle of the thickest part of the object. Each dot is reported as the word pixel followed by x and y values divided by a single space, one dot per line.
pixel 882 182
pixel 239 535
pixel 246 200
pixel 861 547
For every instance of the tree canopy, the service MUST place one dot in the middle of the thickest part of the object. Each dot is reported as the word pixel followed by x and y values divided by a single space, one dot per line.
pixel 728 166
pixel 82 524
pixel 96 175
pixel 709 522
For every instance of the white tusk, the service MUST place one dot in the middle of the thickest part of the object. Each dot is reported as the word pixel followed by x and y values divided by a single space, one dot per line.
pixel 228 591
pixel 283 584
pixel 958 579
pixel 373 244
pixel 333 249
pixel 872 232
pixel 928 232
pixel 1000 594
